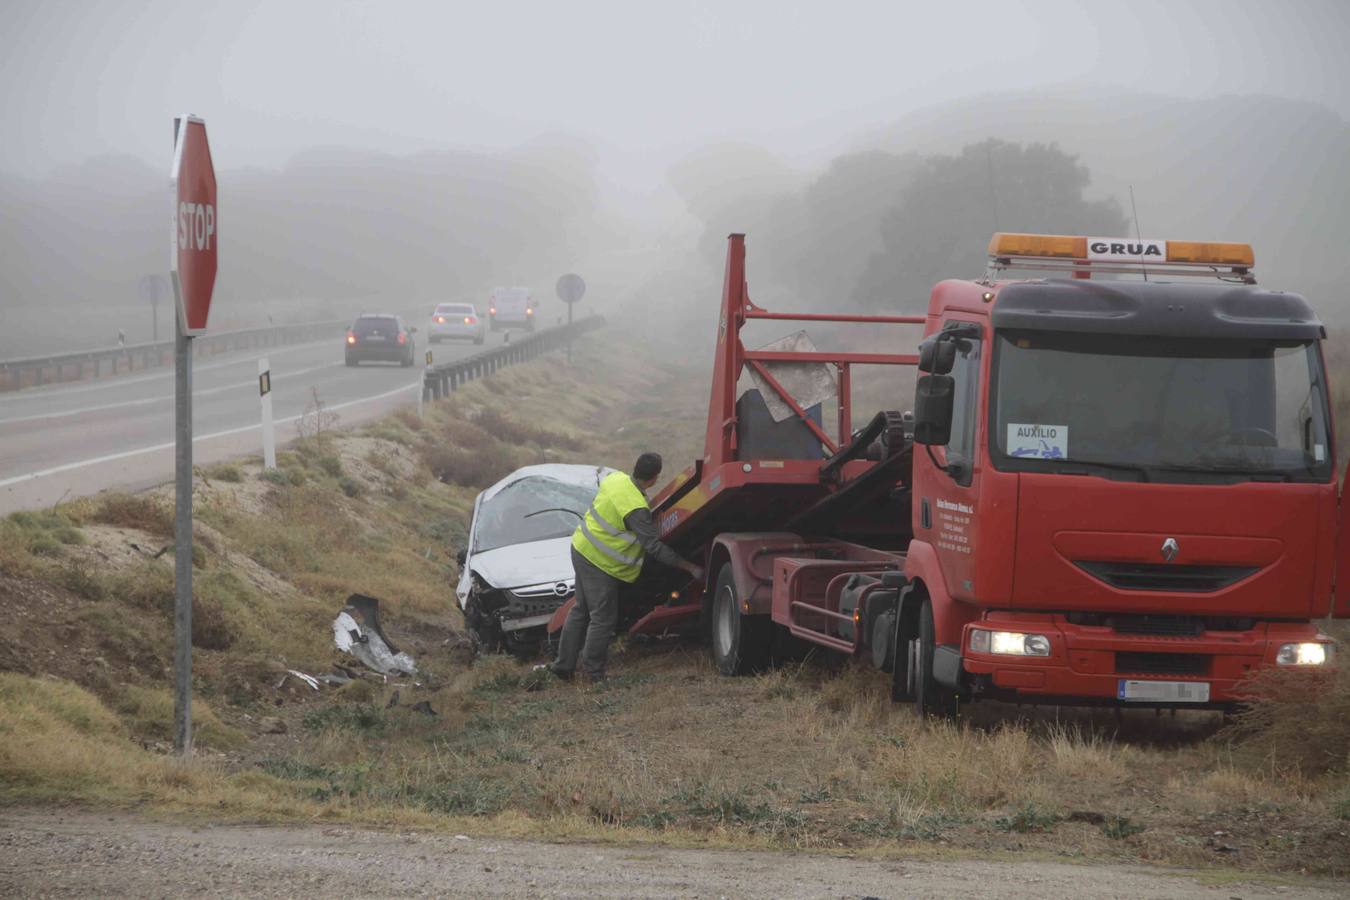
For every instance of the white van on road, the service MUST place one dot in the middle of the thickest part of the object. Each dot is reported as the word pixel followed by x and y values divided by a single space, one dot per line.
pixel 511 307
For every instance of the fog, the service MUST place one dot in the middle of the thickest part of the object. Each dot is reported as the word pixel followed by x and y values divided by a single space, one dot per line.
pixel 392 155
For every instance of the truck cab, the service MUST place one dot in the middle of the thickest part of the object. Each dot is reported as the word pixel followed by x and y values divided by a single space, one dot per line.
pixel 1123 490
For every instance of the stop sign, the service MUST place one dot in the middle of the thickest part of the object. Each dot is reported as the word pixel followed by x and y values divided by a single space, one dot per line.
pixel 195 227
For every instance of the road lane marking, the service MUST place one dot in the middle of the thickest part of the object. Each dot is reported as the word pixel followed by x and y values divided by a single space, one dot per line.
pixel 252 382
pixel 113 457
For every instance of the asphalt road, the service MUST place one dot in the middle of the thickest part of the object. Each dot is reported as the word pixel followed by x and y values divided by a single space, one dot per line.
pixel 79 438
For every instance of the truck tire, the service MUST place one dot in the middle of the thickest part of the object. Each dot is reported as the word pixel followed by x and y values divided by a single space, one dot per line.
pixel 906 627
pixel 930 698
pixel 740 642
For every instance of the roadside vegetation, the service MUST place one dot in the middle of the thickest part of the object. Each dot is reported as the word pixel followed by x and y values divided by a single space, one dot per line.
pixel 812 755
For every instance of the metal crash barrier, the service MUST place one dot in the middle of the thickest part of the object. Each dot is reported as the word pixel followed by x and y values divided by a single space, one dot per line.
pixel 443 379
pixel 78 366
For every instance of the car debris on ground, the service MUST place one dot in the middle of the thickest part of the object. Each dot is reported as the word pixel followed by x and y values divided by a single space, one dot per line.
pixel 357 631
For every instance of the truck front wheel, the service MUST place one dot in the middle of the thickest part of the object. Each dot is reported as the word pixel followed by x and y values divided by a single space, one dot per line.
pixel 740 642
pixel 930 698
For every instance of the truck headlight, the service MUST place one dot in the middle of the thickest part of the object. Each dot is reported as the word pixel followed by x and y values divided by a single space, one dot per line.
pixel 1308 653
pixel 1009 643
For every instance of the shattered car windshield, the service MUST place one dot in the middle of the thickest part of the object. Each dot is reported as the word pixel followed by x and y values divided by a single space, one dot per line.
pixel 502 521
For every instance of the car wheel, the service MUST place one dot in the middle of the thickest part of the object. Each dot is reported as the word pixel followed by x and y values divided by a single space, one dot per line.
pixel 351 361
pixel 930 698
pixel 740 642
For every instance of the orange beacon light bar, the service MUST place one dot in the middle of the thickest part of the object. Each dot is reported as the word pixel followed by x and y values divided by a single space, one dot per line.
pixel 1086 255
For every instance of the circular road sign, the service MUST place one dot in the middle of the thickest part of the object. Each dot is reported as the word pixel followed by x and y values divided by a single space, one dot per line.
pixel 195 234
pixel 570 288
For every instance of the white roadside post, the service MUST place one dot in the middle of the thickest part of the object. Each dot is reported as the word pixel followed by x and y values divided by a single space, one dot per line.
pixel 265 399
pixel 422 388
pixel 192 267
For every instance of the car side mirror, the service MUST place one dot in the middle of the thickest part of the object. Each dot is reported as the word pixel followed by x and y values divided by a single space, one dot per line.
pixel 934 396
pixel 461 557
pixel 937 356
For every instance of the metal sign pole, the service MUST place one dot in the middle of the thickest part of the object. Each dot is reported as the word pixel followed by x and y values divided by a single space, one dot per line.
pixel 182 542
pixel 193 254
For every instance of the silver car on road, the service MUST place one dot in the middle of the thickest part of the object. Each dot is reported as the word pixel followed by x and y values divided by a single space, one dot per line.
pixel 456 320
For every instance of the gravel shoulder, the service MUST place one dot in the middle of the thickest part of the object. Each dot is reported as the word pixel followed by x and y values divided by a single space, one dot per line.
pixel 62 853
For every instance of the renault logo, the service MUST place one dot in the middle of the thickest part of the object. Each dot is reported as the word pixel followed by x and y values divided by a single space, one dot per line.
pixel 1170 549
pixel 561 589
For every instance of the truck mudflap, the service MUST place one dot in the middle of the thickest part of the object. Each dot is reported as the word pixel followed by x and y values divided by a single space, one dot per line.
pixel 1094 664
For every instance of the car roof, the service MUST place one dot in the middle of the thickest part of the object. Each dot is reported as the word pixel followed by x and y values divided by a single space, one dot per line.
pixel 587 476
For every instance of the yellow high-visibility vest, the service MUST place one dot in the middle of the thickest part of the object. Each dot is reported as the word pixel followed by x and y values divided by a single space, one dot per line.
pixel 601 537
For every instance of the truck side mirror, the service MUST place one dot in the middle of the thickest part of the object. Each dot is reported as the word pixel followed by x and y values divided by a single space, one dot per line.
pixel 934 396
pixel 937 356
pixel 461 556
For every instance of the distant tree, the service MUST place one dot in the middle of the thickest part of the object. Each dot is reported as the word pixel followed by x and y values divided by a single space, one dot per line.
pixel 842 212
pixel 942 223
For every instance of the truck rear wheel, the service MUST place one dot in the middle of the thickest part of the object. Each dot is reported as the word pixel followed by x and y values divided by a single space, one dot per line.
pixel 740 642
pixel 930 698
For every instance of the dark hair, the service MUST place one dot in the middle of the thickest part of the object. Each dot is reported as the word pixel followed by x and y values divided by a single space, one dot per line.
pixel 647 467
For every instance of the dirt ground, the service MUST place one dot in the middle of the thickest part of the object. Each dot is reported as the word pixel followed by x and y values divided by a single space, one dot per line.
pixel 68 853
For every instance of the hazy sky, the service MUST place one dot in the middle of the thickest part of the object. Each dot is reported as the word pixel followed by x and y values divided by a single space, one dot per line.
pixel 644 82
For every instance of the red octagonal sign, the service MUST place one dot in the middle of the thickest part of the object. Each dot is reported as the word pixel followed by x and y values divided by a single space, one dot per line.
pixel 195 226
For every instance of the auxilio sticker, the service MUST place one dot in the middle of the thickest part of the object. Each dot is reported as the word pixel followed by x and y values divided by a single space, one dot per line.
pixel 1038 441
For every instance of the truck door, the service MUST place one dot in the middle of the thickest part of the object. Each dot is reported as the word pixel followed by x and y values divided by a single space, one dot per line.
pixel 950 496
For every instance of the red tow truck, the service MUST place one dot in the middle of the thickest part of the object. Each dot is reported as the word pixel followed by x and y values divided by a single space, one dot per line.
pixel 1111 491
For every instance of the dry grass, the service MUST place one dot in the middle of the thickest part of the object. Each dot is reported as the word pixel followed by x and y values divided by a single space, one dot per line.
pixel 1296 722
pixel 812 756
pixel 142 512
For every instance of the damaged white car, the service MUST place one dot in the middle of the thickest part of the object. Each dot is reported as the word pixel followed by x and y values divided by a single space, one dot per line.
pixel 517 569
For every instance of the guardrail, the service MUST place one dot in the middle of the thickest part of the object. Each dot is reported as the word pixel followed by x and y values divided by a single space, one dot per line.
pixel 81 364
pixel 444 378
pixel 38 370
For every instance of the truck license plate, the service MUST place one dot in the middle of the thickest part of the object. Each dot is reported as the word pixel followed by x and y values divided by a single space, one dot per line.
pixel 1163 691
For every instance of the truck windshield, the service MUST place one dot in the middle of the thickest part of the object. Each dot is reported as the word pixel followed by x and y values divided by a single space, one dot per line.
pixel 1161 408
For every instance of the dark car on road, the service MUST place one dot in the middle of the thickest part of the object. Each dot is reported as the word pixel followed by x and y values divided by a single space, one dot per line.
pixel 375 336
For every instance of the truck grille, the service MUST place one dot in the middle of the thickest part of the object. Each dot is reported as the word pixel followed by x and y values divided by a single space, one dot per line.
pixel 1167 626
pixel 1130 576
pixel 1162 664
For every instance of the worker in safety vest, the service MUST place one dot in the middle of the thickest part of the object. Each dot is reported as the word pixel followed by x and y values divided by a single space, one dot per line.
pixel 608 547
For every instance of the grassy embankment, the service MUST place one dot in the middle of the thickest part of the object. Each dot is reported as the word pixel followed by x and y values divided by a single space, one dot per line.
pixel 811 756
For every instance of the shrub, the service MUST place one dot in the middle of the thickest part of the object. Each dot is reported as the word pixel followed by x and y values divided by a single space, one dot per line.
pixel 1119 827
pixel 76 579
pixel 224 472
pixel 1026 819
pixel 350 486
pixel 137 511
pixel 1294 720
pixel 276 476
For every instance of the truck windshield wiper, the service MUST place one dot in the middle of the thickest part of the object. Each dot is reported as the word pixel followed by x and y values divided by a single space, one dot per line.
pixel 1254 472
pixel 1064 467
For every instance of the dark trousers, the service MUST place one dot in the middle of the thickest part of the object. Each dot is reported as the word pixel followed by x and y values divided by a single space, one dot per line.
pixel 590 623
